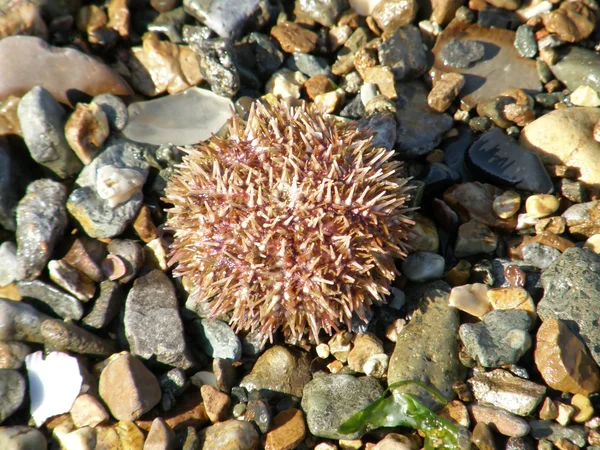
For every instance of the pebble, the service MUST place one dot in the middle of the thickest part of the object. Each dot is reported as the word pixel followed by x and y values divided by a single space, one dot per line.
pixel 106 306
pixel 114 109
pixel 364 346
pixel 593 243
pixel 86 130
pixel 153 327
pixel 12 354
pixel 471 298
pixel 22 438
pixel 42 121
pixel 330 399
pixel 20 322
pixel 286 83
pixel 403 53
pixel 563 361
pixel 218 340
pixel 495 157
pixel 573 190
pixel 582 219
pixel 318 84
pixel 22 18
pixel 132 255
pixel 585 96
pixel 217 404
pixel 128 388
pixel 160 436
pixel 506 423
pixel 461 47
pixel 223 17
pixel 94 214
pixel 383 128
pixel 583 407
pixel 503 390
pixel 293 38
pixel 288 430
pixel 551 431
pixel 392 14
pixel 427 347
pixel 421 267
pixel 424 236
pixel 507 204
pixel 83 254
pixel 501 337
pixel 87 411
pixel 58 301
pixel 474 238
pixel 279 370
pixel 576 66
pixel 12 392
pixel 444 91
pixel 65 336
pixel 555 225
pixel 539 255
pixel 383 78
pixel 571 22
pixel 232 434
pixel 509 298
pixel 483 437
pixel 8 266
pixel 525 42
pixel 541 205
pixel 71 280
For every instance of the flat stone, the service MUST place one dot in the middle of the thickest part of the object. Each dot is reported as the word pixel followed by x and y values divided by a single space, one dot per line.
pixel 563 360
pixel 94 214
pixel 501 338
pixel 506 423
pixel 420 128
pixel 577 66
pixel 65 336
pixel 489 74
pixel 427 347
pixel 58 301
pixel 153 327
pixel 223 17
pixel 22 438
pixel 279 370
pixel 504 390
pixel 12 392
pixel 231 434
pixel 32 62
pixel 41 222
pixel 565 137
pixel 128 388
pixel 570 294
pixel 186 118
pixel 494 157
pixel 403 53
pixel 106 306
pixel 293 38
pixel 330 399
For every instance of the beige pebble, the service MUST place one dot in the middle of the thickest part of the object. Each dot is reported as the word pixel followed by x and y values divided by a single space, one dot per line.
pixel 217 403
pixel 88 411
pixel 548 411
pixel 444 91
pixel 335 366
pixel 585 410
pixel 365 345
pixel 541 205
pixel 525 221
pixel 555 224
pixel 596 132
pixel 471 298
pixel 456 411
pixel 565 413
pixel 512 298
pixel 285 83
pixel 459 274
pixel 323 351
pixel 376 365
pixel 330 101
pixel 585 96
pixel 507 204
pixel 593 243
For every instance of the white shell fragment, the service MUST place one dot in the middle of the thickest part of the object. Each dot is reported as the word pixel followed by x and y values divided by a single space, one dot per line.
pixel 54 384
pixel 116 185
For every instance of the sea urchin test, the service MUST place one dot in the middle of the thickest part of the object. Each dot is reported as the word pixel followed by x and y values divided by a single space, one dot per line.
pixel 291 222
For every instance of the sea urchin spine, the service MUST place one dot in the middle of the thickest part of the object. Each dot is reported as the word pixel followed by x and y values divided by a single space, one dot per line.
pixel 293 221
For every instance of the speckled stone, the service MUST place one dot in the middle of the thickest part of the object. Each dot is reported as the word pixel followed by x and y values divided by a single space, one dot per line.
pixel 64 336
pixel 61 303
pixel 231 434
pixel 12 392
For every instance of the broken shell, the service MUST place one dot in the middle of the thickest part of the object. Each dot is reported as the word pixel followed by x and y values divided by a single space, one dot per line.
pixel 116 185
pixel 114 267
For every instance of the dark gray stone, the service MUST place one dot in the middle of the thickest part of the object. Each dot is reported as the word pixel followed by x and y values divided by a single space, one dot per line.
pixel 420 267
pixel 13 182
pixel 224 17
pixel 106 306
pixel 462 53
pixel 329 400
pixel 94 214
pixel 383 127
pixel 309 65
pixel 427 348
pixel 42 121
pixel 172 385
pixel 420 129
pixel 12 392
pixel 61 303
pixel 267 56
pixel 572 294
pixel 403 53
pixel 153 327
pixel 540 256
pixel 325 12
pixel 41 222
pixel 217 339
pixel 577 66
pixel 354 109
pixel 552 431
pixel 115 110
pixel 20 322
pixel 215 57
pixel 490 17
pixel 525 41
pixel 501 338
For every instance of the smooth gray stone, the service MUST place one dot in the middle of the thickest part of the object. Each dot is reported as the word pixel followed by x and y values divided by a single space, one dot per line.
pixel 153 327
pixel 42 121
pixel 20 322
pixel 189 117
pixel 383 128
pixel 577 66
pixel 12 392
pixel 329 400
pixel 61 303
pixel 421 267
pixel 115 110
pixel 539 255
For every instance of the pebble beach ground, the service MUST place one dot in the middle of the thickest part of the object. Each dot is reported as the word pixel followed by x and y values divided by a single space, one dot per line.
pixel 494 107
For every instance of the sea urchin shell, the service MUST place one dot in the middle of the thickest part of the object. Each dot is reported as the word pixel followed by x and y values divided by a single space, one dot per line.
pixel 290 222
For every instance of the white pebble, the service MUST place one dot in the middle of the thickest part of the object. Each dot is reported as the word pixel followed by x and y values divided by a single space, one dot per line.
pixel 525 221
pixel 593 243
pixel 368 92
pixel 117 185
pixel 541 205
pixel 585 96
pixel 364 7
pixel 323 351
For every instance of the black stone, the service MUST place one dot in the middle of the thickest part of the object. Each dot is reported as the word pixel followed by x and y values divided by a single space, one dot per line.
pixel 498 18
pixel 495 158
pixel 438 177
pixel 462 53
pixel 455 148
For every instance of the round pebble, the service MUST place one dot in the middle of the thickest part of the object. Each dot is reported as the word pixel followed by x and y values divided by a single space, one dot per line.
pixel 538 206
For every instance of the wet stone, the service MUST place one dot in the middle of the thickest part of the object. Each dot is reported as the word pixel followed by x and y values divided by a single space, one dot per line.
pixel 462 54
pixel 106 306
pixel 403 53
pixel 41 222
pixel 501 338
pixel 94 214
pixel 577 66
pixel 225 18
pixel 570 294
pixel 330 399
pixel 525 42
pixel 58 301
pixel 63 336
pixel 12 392
pixel 153 327
pixel 427 347
pixel 494 156
pixel 420 128
pixel 42 121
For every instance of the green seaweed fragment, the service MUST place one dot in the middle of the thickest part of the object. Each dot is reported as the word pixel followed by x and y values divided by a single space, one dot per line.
pixel 402 409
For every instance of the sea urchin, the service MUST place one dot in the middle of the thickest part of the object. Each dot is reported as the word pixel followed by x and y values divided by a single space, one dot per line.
pixel 290 222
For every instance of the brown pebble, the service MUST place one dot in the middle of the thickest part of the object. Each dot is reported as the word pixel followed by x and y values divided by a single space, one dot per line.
pixel 572 21
pixel 118 17
pixel 548 411
pixel 293 38
pixel 515 276
pixel 288 429
pixel 189 411
pixel 445 90
pixel 22 17
pixel 319 84
pixel 483 437
pixel 217 404
pixel 365 58
pixel 64 336
pixel 79 257
pixel 86 130
pixel 144 226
